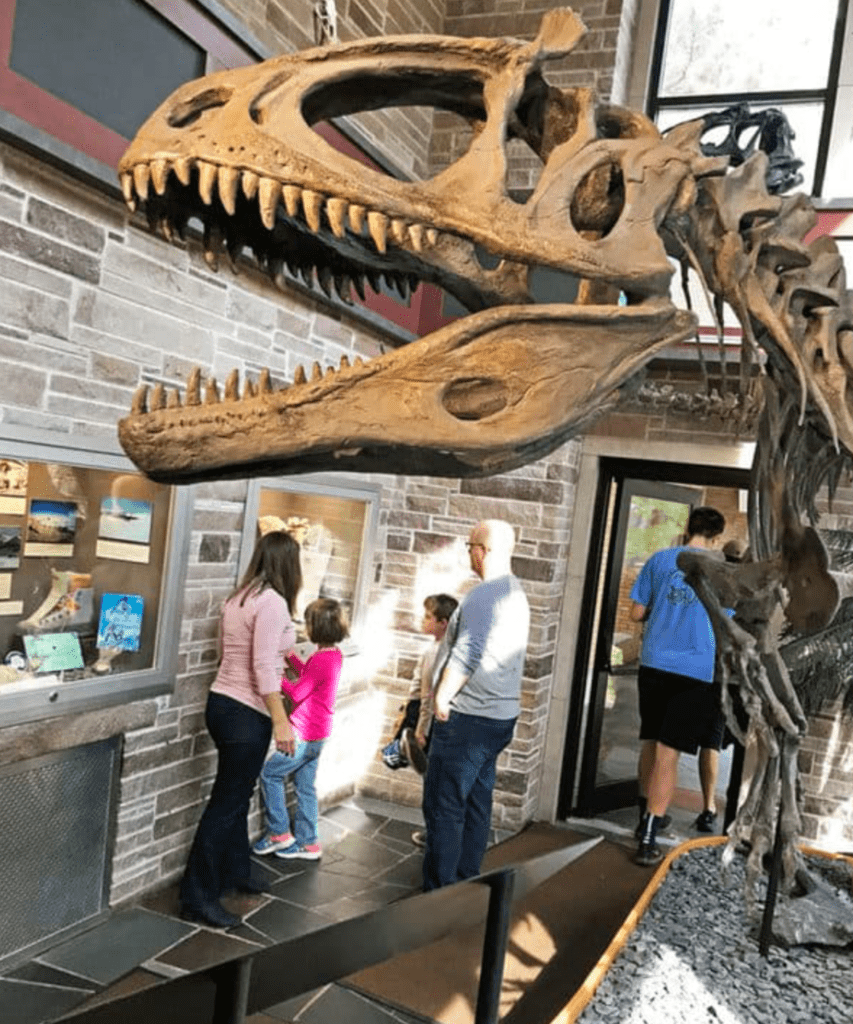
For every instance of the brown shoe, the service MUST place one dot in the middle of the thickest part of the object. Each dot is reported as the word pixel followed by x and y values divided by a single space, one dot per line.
pixel 413 752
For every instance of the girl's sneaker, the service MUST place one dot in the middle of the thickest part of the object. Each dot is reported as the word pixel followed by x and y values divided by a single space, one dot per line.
pixel 269 843
pixel 310 851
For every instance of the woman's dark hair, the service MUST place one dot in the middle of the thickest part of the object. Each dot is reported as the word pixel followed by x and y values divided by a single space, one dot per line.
pixel 706 522
pixel 275 564
pixel 326 621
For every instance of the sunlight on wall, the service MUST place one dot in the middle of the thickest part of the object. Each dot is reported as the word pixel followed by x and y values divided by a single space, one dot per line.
pixel 832 744
pixel 833 833
pixel 446 571
pixel 374 640
pixel 355 739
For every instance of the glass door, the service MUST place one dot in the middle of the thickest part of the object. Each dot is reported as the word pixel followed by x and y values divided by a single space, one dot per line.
pixel 641 517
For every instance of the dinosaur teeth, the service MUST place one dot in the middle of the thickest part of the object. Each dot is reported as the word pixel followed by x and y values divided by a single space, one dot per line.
pixel 356 218
pixel 212 243
pixel 432 236
pixel 399 231
pixel 128 191
pixel 139 403
pixel 377 224
pixel 299 377
pixel 141 177
pixel 358 284
pixel 344 362
pixel 264 382
pixel 336 212
pixel 292 199
pixel 330 371
pixel 316 372
pixel 194 387
pixel 312 203
pixel 159 175
pixel 174 400
pixel 229 180
pixel 268 196
pixel 324 279
pixel 416 236
pixel 343 284
pixel 249 181
pixel 183 169
pixel 249 389
pixel 207 175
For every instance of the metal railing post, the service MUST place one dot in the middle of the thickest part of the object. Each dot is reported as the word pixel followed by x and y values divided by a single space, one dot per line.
pixel 494 947
pixel 232 992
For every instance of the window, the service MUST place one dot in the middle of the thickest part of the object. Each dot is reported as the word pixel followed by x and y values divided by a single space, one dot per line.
pixel 86 74
pixel 89 570
pixel 711 54
pixel 334 523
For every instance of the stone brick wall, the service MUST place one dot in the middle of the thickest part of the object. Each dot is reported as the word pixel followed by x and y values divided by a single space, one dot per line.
pixel 590 65
pixel 284 26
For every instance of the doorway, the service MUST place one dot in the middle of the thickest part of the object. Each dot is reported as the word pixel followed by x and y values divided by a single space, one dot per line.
pixel 640 507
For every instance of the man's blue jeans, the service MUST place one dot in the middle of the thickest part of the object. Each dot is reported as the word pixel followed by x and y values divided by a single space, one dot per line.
pixel 303 767
pixel 457 802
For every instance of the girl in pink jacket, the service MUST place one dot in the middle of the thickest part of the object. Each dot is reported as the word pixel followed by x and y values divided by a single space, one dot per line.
pixel 312 702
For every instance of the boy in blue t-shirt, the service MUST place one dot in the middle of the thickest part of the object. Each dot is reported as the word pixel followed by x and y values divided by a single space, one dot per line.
pixel 679 702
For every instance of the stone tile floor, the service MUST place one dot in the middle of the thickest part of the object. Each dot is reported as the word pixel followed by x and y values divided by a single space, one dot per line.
pixel 368 862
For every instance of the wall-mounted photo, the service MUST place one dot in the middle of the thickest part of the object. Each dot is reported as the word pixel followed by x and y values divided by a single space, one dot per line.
pixel 50 528
pixel 126 520
pixel 10 547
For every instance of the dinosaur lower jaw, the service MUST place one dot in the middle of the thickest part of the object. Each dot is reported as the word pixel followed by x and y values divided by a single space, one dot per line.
pixel 481 396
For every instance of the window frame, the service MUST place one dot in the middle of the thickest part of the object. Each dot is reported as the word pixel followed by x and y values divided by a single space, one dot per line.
pixel 828 95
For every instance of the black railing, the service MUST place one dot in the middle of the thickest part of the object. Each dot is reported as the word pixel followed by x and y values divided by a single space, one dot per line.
pixel 250 983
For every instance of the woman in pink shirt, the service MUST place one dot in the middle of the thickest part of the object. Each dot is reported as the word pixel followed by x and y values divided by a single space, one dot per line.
pixel 312 697
pixel 244 710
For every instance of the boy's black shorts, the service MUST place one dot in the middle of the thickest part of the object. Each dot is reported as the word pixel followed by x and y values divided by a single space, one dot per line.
pixel 682 712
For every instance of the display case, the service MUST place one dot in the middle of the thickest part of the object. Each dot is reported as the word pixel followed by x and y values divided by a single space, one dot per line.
pixel 334 521
pixel 91 572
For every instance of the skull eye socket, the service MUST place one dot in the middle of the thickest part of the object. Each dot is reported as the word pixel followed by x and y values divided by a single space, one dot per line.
pixel 475 398
pixel 188 112
pixel 599 199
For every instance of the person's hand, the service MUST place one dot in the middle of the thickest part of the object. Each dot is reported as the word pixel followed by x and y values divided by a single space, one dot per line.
pixel 442 706
pixel 285 742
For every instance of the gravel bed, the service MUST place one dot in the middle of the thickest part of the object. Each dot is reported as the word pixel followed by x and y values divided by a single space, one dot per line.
pixel 693 958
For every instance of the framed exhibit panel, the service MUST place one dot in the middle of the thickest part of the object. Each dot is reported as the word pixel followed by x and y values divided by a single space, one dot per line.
pixel 335 523
pixel 92 559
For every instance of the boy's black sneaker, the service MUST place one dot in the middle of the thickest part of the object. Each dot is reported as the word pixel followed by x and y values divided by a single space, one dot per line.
pixel 413 752
pixel 648 854
pixel 663 825
pixel 706 822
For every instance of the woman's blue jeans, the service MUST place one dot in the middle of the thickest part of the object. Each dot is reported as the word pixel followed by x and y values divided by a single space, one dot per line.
pixel 457 801
pixel 302 765
pixel 220 855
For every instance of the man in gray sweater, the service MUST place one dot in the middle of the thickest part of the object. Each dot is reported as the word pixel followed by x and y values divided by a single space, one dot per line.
pixel 477 700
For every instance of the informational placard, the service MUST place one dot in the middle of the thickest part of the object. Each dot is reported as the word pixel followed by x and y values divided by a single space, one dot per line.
pixel 120 622
pixel 53 652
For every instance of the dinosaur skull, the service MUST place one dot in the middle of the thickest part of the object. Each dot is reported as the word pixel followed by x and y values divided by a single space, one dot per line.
pixel 238 152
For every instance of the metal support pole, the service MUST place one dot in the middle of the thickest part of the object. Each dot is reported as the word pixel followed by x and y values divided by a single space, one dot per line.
pixel 772 888
pixel 494 947
pixel 232 992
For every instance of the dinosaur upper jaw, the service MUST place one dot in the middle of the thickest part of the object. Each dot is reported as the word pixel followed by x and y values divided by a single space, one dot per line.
pixel 492 392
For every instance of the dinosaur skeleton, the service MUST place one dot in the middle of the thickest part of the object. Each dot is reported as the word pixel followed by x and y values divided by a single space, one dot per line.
pixel 615 205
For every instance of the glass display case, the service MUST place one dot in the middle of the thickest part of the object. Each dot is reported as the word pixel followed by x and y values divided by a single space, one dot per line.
pixel 88 579
pixel 335 524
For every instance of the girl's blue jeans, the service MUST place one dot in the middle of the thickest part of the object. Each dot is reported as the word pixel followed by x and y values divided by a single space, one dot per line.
pixel 302 766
